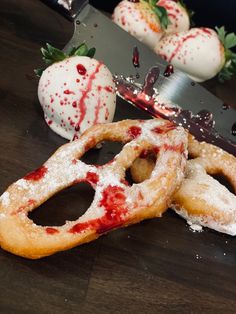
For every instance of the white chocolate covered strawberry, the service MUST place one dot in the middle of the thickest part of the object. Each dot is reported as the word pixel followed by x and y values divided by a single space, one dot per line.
pixel 76 92
pixel 140 19
pixel 149 20
pixel 197 52
pixel 179 20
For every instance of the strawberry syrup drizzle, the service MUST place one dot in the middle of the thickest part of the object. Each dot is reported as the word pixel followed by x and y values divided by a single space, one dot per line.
pixel 150 79
pixel 81 69
pixel 180 44
pixel 172 11
pixel 82 105
pixel 51 230
pixel 135 58
pixel 200 125
pixel 164 4
pixel 174 16
pixel 175 148
pixel 92 177
pixel 97 110
pixel 37 174
pixel 68 92
pixel 114 202
pixel 143 98
pixel 206 30
pixel 168 126
pixel 168 70
pixel 108 89
pixel 21 209
pixel 134 131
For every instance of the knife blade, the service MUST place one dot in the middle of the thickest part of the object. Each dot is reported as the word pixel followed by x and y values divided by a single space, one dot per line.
pixel 145 98
pixel 115 47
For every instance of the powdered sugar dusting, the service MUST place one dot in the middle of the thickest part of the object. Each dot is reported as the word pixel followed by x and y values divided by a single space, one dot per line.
pixel 2 215
pixel 5 199
pixel 206 221
pixel 218 205
pixel 209 189
pixel 194 227
pixel 22 184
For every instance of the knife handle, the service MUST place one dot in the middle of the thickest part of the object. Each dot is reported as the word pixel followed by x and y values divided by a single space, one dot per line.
pixel 69 8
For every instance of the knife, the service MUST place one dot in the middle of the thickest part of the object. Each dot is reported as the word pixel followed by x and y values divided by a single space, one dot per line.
pixel 115 47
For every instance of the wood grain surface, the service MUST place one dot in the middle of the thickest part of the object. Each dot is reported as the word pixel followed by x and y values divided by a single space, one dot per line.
pixel 158 266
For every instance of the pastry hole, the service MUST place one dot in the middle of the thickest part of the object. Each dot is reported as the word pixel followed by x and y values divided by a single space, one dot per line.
pixel 190 157
pixel 143 166
pixel 103 155
pixel 68 204
pixel 128 177
pixel 224 181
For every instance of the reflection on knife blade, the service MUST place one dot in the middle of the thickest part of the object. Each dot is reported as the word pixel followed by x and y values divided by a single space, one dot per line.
pixel 146 98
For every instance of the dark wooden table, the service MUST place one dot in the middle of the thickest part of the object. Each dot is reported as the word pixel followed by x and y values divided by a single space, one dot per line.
pixel 157 266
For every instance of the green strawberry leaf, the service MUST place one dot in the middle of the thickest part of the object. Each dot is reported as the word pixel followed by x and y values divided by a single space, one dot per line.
pixel 91 52
pixel 47 61
pixel 39 72
pixel 153 2
pixel 72 51
pixel 82 50
pixel 221 33
pixel 45 53
pixel 160 12
pixel 228 41
pixel 162 15
pixel 56 54
pixel 52 55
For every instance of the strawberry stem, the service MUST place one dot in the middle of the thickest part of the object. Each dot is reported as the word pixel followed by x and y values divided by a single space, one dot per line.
pixel 52 55
pixel 160 13
pixel 229 42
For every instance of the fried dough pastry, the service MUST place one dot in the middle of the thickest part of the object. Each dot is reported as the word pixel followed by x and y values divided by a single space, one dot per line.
pixel 201 199
pixel 115 204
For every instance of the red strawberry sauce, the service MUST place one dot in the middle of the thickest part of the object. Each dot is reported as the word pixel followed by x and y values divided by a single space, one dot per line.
pixel 136 57
pixel 134 131
pixel 169 70
pixel 68 92
pixel 114 202
pixel 82 105
pixel 51 230
pixel 37 174
pixel 30 203
pixel 164 128
pixel 175 148
pixel 81 69
pixel 180 44
pixel 92 177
